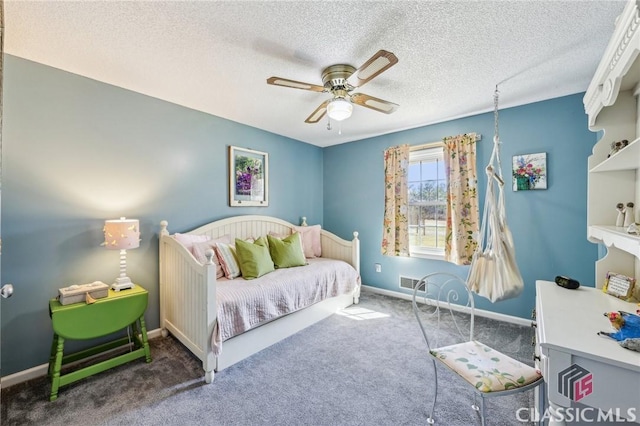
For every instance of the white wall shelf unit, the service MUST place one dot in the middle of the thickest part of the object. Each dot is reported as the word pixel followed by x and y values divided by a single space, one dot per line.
pixel 613 106
pixel 613 236
pixel 625 159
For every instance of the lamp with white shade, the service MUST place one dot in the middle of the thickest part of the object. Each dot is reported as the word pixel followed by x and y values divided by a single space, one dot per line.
pixel 122 234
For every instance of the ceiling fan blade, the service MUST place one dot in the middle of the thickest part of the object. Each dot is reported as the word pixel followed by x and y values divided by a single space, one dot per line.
pixel 277 81
pixel 378 63
pixel 376 104
pixel 318 113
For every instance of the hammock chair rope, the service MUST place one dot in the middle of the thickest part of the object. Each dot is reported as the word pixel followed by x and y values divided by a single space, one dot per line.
pixel 494 273
pixel 495 154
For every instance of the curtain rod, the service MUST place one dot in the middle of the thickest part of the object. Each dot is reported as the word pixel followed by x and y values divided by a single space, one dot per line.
pixel 439 143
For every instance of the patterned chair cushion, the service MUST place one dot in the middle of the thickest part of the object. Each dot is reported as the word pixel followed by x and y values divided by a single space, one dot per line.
pixel 485 368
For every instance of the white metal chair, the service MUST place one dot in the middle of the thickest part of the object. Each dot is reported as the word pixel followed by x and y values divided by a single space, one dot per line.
pixel 489 372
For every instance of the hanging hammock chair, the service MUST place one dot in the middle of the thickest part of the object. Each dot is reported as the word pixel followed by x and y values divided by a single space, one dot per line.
pixel 494 273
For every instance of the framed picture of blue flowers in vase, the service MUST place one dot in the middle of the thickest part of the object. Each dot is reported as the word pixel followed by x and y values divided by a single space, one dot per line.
pixel 248 177
pixel 529 171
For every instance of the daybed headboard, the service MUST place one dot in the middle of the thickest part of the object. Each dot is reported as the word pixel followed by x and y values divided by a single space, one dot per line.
pixel 247 226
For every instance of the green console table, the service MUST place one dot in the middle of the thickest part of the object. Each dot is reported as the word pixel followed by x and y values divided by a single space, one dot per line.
pixel 80 321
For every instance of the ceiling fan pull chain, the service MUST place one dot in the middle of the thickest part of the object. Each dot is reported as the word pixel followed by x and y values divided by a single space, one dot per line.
pixel 328 123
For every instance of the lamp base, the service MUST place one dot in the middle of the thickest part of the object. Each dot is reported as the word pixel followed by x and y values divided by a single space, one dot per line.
pixel 122 283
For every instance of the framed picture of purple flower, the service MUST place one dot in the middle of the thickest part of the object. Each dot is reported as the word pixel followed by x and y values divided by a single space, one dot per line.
pixel 248 177
pixel 530 171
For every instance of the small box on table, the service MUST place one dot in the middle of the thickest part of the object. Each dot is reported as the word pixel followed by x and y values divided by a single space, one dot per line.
pixel 78 293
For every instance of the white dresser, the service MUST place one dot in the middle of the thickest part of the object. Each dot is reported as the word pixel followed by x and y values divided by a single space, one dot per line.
pixel 578 365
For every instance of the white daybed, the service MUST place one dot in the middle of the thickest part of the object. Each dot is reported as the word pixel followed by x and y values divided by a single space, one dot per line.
pixel 188 307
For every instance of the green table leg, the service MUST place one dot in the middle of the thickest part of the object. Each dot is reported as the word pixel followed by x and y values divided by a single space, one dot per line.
pixel 52 356
pixel 145 341
pixel 135 331
pixel 55 378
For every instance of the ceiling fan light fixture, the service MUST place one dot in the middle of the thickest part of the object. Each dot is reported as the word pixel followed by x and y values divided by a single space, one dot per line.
pixel 339 109
pixel 339 80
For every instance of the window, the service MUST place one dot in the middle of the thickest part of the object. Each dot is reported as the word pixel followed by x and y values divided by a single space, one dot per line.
pixel 427 188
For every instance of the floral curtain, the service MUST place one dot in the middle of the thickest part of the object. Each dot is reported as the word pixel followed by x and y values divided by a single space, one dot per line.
pixel 395 232
pixel 463 217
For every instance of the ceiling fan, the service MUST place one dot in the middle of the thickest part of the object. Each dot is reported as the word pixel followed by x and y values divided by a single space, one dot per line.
pixel 340 80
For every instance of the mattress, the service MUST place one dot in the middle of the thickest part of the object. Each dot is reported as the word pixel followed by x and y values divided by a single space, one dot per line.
pixel 247 304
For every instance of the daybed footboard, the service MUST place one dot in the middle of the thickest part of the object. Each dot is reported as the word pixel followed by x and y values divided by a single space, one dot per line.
pixel 188 292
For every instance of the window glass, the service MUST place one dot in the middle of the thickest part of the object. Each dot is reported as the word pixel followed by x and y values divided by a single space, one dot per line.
pixel 427 188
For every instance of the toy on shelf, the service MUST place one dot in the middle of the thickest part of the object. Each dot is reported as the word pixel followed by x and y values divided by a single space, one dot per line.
pixel 620 218
pixel 629 217
pixel 617 146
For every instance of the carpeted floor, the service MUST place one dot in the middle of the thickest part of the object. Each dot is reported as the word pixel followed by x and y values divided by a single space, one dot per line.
pixel 367 366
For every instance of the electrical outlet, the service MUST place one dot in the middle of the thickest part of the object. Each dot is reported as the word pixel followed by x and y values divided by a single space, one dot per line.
pixel 378 267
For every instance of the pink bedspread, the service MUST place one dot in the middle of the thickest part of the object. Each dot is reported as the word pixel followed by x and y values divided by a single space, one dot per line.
pixel 245 304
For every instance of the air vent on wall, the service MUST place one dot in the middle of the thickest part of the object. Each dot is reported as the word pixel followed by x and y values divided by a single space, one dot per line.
pixel 408 282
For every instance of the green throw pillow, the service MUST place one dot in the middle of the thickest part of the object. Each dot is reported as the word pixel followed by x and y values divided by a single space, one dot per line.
pixel 254 258
pixel 286 252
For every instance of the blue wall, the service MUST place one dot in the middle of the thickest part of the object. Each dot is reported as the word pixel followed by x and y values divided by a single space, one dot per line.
pixel 77 152
pixel 548 226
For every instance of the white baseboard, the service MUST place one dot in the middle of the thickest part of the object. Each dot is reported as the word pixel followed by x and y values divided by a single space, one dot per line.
pixel 41 370
pixel 479 312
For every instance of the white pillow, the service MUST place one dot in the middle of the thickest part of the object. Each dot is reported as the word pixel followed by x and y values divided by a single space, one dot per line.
pixel 310 240
pixel 188 240
pixel 228 259
pixel 199 251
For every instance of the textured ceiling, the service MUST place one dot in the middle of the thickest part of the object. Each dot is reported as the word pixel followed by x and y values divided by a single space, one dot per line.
pixel 215 56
